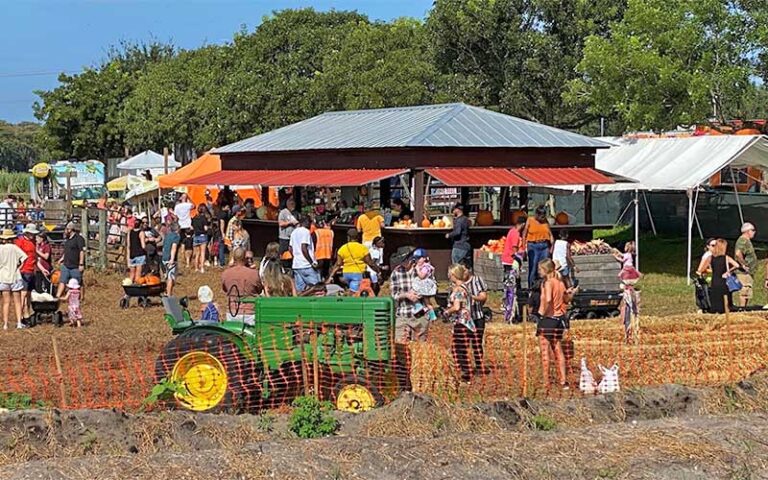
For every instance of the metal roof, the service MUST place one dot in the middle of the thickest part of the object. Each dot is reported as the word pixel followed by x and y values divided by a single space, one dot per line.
pixel 477 177
pixel 279 178
pixel 453 125
pixel 563 176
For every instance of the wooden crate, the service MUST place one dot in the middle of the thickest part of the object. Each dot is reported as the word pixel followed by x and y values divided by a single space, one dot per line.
pixel 594 272
pixel 488 267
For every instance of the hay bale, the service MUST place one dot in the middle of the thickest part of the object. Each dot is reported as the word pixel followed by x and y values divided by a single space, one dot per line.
pixel 432 370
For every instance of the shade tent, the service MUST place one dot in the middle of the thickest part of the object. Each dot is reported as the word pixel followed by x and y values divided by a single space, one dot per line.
pixel 208 163
pixel 126 182
pixel 678 164
pixel 148 160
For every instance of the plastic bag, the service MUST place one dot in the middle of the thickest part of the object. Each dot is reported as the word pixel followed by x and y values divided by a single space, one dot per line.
pixel 610 381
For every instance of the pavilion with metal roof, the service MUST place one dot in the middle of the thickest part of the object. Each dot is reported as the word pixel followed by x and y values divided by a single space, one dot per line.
pixel 454 145
pixel 448 142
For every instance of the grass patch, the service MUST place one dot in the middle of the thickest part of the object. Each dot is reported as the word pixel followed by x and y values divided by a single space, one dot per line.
pixel 543 423
pixel 19 401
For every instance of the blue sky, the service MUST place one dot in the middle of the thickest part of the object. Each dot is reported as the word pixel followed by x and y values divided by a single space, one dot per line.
pixel 43 36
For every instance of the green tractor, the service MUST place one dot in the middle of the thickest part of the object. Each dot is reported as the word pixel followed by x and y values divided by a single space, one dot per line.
pixel 342 348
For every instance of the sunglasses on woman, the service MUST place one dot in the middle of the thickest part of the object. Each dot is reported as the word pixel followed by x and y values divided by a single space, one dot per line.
pixel 712 245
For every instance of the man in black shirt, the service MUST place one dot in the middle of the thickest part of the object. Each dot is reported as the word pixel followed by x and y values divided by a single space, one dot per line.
pixel 461 248
pixel 73 260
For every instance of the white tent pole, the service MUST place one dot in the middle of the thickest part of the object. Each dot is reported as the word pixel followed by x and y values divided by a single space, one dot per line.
pixel 650 216
pixel 624 212
pixel 690 237
pixel 695 216
pixel 736 191
pixel 637 230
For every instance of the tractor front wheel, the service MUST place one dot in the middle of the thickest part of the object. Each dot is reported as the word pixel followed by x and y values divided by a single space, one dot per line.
pixel 212 374
pixel 355 394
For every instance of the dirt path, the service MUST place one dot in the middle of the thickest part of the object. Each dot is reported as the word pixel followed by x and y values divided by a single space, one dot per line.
pixel 697 448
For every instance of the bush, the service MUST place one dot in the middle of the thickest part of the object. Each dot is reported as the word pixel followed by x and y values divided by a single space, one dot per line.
pixel 543 423
pixel 18 401
pixel 311 418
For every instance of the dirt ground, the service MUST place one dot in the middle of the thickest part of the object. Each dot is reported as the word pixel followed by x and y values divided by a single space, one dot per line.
pixel 665 432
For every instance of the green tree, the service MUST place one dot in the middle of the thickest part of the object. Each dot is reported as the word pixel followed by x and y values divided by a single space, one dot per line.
pixel 178 101
pixel 518 55
pixel 82 116
pixel 668 63
pixel 380 65
pixel 19 146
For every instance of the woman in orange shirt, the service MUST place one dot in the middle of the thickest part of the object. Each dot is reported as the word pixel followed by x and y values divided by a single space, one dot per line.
pixel 552 320
pixel 537 240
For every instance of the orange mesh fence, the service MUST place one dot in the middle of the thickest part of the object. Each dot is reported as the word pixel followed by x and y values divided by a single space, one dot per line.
pixel 214 371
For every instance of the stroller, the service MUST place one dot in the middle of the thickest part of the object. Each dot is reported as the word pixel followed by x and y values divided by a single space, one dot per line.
pixel 702 294
pixel 45 305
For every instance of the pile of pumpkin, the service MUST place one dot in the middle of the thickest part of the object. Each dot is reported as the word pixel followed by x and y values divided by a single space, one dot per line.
pixel 495 246
pixel 440 222
pixel 148 280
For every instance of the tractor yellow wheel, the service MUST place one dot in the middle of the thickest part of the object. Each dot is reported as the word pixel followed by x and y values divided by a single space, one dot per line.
pixel 355 395
pixel 204 379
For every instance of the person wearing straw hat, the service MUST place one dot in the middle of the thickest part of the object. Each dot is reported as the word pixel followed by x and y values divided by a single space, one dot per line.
pixel 11 283
pixel 26 242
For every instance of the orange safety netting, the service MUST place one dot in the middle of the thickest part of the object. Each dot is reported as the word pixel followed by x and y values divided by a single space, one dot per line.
pixel 455 364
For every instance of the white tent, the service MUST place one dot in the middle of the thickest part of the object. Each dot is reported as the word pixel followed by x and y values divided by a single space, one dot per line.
pixel 679 164
pixel 148 160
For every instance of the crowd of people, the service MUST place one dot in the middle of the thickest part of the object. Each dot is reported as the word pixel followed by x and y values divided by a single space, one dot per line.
pixel 721 276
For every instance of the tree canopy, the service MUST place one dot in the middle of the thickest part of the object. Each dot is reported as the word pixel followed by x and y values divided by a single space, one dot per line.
pixel 642 64
pixel 666 64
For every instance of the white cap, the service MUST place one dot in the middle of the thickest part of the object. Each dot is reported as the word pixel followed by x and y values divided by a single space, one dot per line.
pixel 205 294
pixel 73 284
pixel 747 227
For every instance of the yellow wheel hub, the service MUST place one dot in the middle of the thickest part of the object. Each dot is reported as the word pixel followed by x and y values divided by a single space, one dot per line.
pixel 204 379
pixel 355 398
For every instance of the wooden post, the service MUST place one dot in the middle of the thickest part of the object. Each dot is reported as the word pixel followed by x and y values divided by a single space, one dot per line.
pixel 69 195
pixel 588 204
pixel 465 199
pixel 304 372
pixel 385 193
pixel 85 232
pixel 728 329
pixel 505 209
pixel 264 195
pixel 523 198
pixel 103 233
pixel 56 358
pixel 418 195
pixel 315 360
pixel 524 312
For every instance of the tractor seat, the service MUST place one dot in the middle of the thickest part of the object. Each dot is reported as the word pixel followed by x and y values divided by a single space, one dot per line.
pixel 173 308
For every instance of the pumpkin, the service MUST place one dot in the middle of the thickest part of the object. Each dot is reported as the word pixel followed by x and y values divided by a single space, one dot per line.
pixel 272 212
pixel 748 131
pixel 516 215
pixel 426 223
pixel 484 218
pixel 141 281
pixel 447 221
pixel 127 282
pixel 152 280
pixel 55 277
pixel 561 218
pixel 438 223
